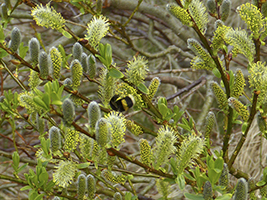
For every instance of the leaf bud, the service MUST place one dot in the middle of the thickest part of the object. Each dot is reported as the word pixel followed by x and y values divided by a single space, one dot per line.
pixel 91 186
pixel 34 48
pixel 225 9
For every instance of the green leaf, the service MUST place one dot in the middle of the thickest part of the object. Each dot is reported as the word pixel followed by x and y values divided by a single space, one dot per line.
pixel 40 103
pixel 115 73
pixel 22 167
pixel 224 197
pixel 180 180
pixel 40 196
pixel 83 165
pixel 244 127
pixel 193 196
pixel 188 176
pixel 128 196
pixel 15 158
pixel 143 88
pixel 57 102
pixel 108 54
pixel 66 34
pixel 216 72
pixel 49 186
pixel 3 53
pixel 261 183
pixel 25 188
pixel 163 109
pixel 23 50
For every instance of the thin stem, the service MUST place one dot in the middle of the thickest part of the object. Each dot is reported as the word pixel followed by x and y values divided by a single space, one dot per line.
pixel 135 10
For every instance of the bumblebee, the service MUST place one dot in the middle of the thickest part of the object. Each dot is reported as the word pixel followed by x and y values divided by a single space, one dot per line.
pixel 121 104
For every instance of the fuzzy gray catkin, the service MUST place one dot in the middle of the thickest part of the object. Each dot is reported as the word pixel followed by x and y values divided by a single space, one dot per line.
pixel 68 112
pixel 241 191
pixel 43 65
pixel 4 11
pixel 91 63
pixel 34 48
pixel 225 9
pixel 94 113
pixel 84 62
pixel 102 132
pixel 81 186
pixel 91 186
pixel 15 39
pixel 77 51
pixel 207 191
pixel 55 138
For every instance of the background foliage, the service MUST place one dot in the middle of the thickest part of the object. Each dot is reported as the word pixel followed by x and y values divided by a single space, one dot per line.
pixel 175 143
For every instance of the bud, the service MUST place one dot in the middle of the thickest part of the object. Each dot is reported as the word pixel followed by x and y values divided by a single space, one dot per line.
pixel 77 51
pixel 102 133
pixel 91 63
pixel 220 96
pixel 56 59
pixel 241 191
pixel 81 186
pixel 43 65
pixel 15 39
pixel 34 48
pixel 207 191
pixel 94 113
pixel 84 62
pixel 55 139
pixel 68 112
pixel 76 73
pixel 91 186
pixel 211 5
pixel 225 9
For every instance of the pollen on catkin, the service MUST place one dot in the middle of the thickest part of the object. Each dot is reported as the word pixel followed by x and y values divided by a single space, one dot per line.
pixel 96 30
pixel 207 191
pixel 15 39
pixel 91 186
pixel 77 51
pixel 71 140
pixel 94 113
pixel 253 18
pixel 55 139
pixel 91 63
pixel 239 107
pixel 48 17
pixel 210 120
pixel 56 59
pixel 43 65
pixel 239 84
pixel 153 87
pixel 136 70
pixel 241 191
pixel 164 146
pixel 102 132
pixel 76 73
pixel 180 13
pixel 81 186
pixel 145 152
pixel 133 128
pixel 220 96
pixel 68 112
pixel 34 48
